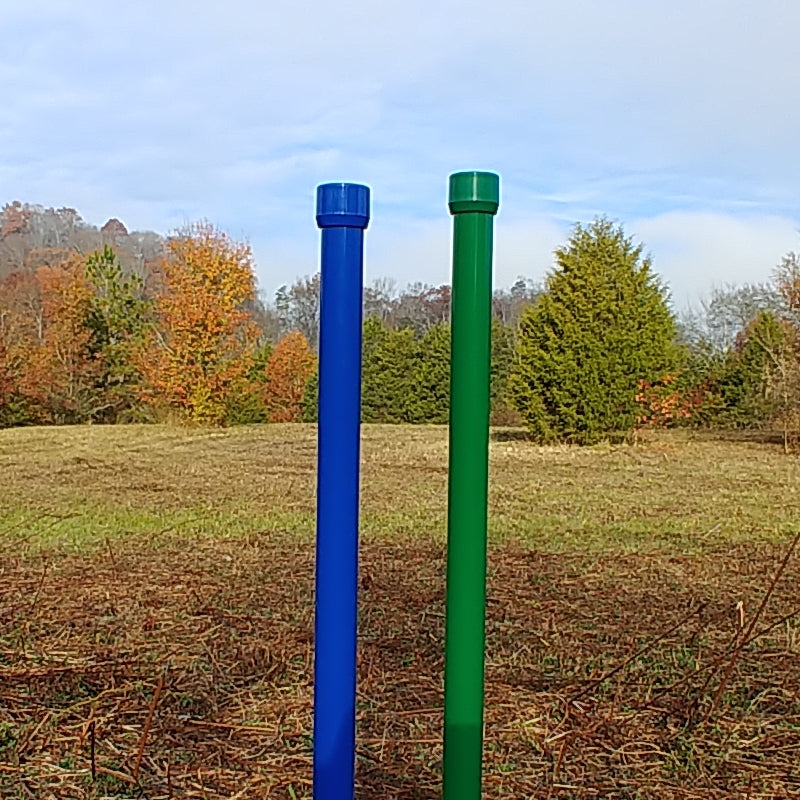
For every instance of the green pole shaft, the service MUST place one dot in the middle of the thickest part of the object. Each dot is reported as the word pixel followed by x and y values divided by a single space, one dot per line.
pixel 473 200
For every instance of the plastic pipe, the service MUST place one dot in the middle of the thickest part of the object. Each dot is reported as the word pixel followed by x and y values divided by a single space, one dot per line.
pixel 473 199
pixel 343 215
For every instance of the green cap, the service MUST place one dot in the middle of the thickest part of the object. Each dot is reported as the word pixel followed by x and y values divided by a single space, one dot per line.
pixel 474 192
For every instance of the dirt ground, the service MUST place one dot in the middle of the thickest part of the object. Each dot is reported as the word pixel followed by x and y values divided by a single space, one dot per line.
pixel 184 671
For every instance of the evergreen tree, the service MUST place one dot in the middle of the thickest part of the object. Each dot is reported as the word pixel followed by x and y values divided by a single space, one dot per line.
pixel 738 388
pixel 247 405
pixel 372 400
pixel 431 389
pixel 502 363
pixel 602 325
pixel 311 399
pixel 117 319
pixel 389 369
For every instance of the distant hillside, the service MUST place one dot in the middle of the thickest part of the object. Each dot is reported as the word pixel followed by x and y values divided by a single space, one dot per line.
pixel 33 236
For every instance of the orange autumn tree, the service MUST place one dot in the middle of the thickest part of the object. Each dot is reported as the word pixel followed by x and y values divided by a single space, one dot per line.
pixel 60 373
pixel 9 358
pixel 196 357
pixel 289 368
pixel 8 377
pixel 21 333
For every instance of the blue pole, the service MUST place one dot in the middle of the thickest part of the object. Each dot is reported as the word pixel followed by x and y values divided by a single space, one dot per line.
pixel 343 214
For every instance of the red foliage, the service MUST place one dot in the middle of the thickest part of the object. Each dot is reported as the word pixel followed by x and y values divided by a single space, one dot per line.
pixel 289 368
pixel 664 404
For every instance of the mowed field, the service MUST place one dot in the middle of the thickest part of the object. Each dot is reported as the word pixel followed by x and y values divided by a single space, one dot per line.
pixel 156 615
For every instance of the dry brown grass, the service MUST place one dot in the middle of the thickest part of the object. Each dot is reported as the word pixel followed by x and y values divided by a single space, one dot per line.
pixel 626 670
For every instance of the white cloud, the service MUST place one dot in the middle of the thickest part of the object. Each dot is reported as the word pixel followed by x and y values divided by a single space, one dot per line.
pixel 415 250
pixel 692 252
pixel 695 251
pixel 656 113
pixel 524 247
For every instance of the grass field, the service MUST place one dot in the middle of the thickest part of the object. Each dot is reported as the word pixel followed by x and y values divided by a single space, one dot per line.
pixel 156 615
pixel 74 487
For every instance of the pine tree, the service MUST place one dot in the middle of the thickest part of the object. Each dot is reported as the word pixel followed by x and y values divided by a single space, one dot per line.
pixel 431 389
pixel 390 364
pixel 738 389
pixel 602 325
pixel 117 320
pixel 372 395
pixel 311 399
pixel 247 405
pixel 502 363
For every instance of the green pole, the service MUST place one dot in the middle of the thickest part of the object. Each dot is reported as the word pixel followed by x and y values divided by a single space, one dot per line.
pixel 474 199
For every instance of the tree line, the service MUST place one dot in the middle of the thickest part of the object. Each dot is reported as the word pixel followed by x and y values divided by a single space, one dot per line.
pixel 101 325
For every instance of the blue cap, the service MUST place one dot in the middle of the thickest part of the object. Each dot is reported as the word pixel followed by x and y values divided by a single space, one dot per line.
pixel 342 205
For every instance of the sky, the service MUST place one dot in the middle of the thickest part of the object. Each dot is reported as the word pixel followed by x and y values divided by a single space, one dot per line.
pixel 678 119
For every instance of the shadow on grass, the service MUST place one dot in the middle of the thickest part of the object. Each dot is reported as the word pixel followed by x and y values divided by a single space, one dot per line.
pixel 511 435
pixel 751 436
pixel 732 435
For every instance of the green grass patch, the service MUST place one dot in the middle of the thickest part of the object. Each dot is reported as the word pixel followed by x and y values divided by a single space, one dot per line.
pixel 76 488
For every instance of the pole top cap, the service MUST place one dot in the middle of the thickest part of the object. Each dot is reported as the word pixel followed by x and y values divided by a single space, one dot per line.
pixel 474 192
pixel 342 205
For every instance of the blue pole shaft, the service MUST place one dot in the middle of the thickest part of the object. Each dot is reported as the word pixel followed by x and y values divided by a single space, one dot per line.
pixel 343 214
